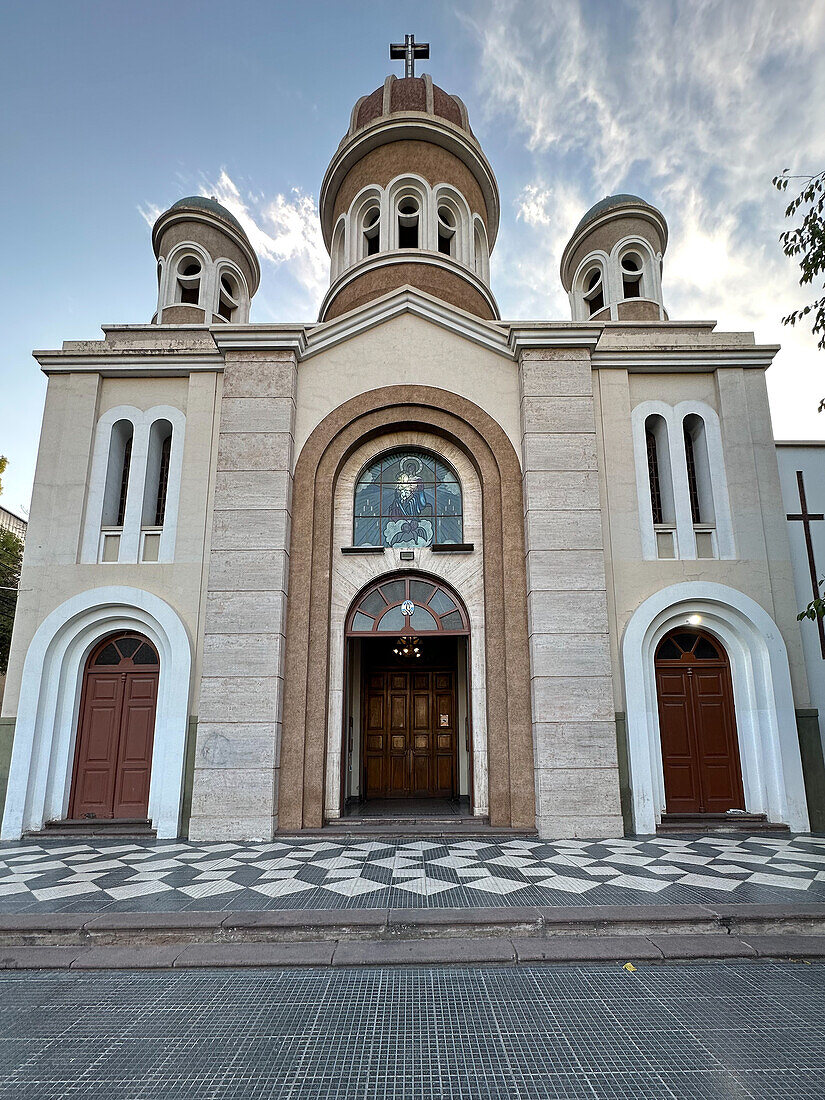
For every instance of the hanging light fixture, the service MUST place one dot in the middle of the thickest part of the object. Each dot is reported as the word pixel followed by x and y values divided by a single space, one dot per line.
pixel 407 646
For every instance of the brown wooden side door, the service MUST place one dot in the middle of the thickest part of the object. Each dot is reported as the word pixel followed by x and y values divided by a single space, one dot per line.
pixel 700 752
pixel 114 752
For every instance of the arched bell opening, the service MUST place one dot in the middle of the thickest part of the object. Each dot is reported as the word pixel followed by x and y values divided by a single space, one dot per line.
pixel 407 740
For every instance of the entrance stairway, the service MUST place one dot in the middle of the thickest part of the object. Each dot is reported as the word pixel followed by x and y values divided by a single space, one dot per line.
pixel 96 826
pixel 718 823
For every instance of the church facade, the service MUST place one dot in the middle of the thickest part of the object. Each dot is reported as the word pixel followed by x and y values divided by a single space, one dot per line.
pixel 413 555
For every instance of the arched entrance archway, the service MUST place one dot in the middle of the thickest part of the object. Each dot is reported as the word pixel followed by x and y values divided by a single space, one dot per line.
pixel 407 652
pixel 115 734
pixel 766 722
pixel 697 724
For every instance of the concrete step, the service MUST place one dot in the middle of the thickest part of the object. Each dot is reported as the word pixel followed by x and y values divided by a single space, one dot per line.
pixel 95 826
pixel 693 824
pixel 379 828
pixel 376 937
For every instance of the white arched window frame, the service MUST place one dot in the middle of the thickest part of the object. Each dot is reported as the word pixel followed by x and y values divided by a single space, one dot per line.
pixel 130 544
pixel 481 250
pixel 455 226
pixel 169 281
pixel 650 280
pixel 238 301
pixel 711 539
pixel 584 290
pixel 338 252
pixel 404 188
pixel 362 224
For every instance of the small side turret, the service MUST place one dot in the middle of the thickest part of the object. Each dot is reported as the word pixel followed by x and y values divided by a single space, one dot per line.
pixel 207 269
pixel 611 267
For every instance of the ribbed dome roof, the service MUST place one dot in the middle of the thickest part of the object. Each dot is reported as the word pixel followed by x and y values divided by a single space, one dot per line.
pixel 412 93
pixel 608 203
pixel 209 206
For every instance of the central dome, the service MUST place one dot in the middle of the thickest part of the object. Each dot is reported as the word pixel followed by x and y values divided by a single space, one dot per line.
pixel 409 199
pixel 408 94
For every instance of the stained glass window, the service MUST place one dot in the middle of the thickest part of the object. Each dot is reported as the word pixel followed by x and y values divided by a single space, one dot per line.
pixel 405 606
pixel 407 498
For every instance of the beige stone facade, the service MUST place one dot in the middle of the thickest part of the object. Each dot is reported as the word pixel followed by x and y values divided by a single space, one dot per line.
pixel 571 568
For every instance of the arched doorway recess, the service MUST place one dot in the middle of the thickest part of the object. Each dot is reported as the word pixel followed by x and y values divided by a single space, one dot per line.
pixel 697 724
pixel 115 734
pixel 305 726
pixel 407 639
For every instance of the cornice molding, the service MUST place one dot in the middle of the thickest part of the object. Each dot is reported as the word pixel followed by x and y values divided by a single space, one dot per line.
pixel 408 256
pixel 662 360
pixel 270 337
pixel 134 362
pixel 554 334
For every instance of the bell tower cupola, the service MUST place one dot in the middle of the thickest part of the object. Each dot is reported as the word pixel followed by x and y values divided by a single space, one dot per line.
pixel 611 267
pixel 409 198
pixel 207 269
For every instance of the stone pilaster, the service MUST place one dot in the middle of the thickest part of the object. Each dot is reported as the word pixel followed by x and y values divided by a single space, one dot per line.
pixel 574 731
pixel 235 790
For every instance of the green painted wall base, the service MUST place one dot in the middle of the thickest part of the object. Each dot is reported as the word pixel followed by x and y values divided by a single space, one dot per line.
pixel 625 790
pixel 813 766
pixel 188 775
pixel 6 739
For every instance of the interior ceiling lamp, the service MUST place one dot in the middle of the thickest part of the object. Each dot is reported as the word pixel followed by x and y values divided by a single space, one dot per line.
pixel 407 646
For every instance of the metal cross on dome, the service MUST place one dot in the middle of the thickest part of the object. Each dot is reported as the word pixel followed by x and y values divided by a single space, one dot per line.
pixel 409 49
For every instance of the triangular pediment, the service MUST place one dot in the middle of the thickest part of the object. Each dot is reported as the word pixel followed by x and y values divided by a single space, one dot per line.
pixel 407 300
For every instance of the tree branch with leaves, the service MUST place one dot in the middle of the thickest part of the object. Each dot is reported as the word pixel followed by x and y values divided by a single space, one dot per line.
pixel 805 242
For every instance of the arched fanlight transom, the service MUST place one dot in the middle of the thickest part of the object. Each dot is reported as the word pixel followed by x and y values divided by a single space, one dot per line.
pixel 407 605
pixel 125 651
pixel 689 645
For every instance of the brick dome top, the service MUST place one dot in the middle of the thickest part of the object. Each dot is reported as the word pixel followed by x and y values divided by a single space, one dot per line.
pixel 399 95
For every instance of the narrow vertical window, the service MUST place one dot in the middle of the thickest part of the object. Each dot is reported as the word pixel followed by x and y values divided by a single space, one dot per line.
pixel 163 481
pixel 478 252
pixel 117 474
pixel 408 223
pixel 631 275
pixel 446 231
pixel 653 474
pixel 372 231
pixel 693 485
pixel 700 485
pixel 124 482
pixel 188 281
pixel 228 298
pixel 594 290
pixel 157 474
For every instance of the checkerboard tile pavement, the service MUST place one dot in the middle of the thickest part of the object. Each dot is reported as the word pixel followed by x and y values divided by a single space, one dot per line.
pixel 343 872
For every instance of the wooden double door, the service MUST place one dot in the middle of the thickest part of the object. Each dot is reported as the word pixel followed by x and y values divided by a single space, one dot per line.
pixel 409 735
pixel 113 755
pixel 700 747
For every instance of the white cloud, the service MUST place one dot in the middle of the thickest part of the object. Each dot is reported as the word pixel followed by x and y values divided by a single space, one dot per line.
pixel 285 233
pixel 695 105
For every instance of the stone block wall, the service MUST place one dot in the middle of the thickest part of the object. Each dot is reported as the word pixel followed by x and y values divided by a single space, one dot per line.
pixel 574 731
pixel 235 787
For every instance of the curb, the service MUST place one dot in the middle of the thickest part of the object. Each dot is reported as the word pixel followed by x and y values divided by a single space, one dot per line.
pixel 454 952
pixel 404 937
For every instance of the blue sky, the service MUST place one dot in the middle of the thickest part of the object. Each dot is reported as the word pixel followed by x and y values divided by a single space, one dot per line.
pixel 113 110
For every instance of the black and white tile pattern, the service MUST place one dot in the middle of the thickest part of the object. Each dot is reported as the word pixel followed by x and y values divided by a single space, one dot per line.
pixel 750 1031
pixel 341 872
